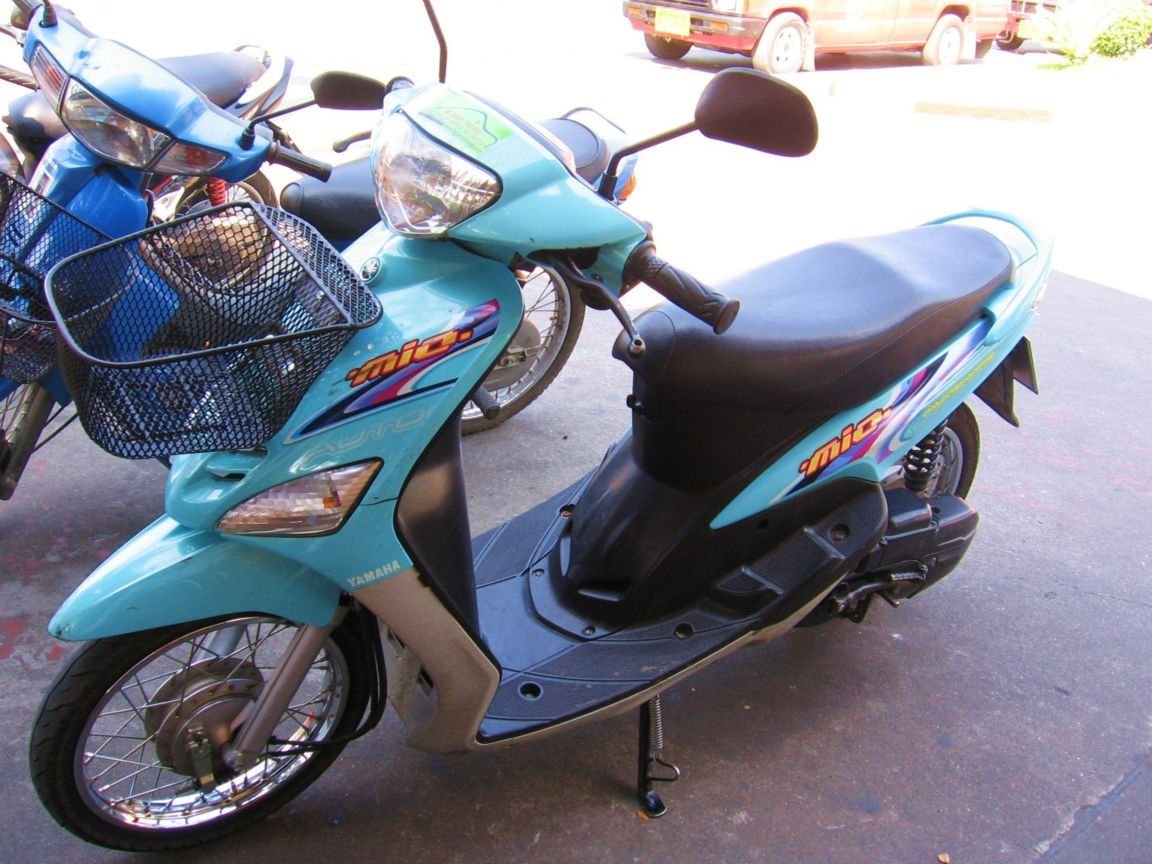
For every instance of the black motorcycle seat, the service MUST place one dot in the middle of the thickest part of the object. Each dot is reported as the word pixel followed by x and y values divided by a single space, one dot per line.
pixel 221 76
pixel 828 328
pixel 342 208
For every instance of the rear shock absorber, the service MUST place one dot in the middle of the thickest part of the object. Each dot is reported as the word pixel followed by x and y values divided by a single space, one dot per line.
pixel 217 191
pixel 920 463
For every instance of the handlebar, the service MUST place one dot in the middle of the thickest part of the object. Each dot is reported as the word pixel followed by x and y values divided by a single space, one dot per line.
pixel 278 154
pixel 682 288
pixel 14 76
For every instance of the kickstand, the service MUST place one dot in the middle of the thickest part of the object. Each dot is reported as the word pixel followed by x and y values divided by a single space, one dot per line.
pixel 651 748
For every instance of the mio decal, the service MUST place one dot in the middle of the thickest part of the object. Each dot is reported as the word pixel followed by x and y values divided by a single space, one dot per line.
pixel 374 575
pixel 404 372
pixel 852 435
pixel 415 351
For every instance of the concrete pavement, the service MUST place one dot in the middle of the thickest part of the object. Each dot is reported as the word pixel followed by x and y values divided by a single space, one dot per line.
pixel 1001 717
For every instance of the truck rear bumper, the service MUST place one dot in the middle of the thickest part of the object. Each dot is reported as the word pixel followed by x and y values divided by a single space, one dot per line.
pixel 706 29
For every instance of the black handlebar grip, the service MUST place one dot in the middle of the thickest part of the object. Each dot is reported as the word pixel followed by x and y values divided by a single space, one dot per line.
pixel 281 155
pixel 683 289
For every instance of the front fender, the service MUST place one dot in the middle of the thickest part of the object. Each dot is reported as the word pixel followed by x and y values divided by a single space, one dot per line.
pixel 171 574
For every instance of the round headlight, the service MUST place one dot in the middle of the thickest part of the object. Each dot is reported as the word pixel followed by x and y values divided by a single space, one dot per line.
pixel 422 187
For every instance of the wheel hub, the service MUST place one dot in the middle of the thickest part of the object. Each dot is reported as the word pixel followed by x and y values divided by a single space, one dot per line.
pixel 200 704
pixel 514 362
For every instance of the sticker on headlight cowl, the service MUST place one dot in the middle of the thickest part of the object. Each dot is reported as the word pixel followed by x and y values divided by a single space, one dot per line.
pixel 459 121
pixel 400 372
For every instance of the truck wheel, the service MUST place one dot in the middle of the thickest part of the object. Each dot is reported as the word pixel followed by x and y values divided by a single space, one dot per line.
pixel 945 42
pixel 1009 43
pixel 782 45
pixel 664 47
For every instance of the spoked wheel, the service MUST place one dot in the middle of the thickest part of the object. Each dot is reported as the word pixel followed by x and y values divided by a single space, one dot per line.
pixel 129 749
pixel 538 351
pixel 256 189
pixel 24 414
pixel 181 196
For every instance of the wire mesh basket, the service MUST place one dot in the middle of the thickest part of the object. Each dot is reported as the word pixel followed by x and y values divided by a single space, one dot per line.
pixel 203 333
pixel 35 234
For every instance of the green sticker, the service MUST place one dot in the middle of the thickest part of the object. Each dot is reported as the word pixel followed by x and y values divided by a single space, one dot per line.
pixel 463 122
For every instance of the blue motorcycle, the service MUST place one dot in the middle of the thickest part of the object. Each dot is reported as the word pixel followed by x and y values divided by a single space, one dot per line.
pixel 105 145
pixel 793 455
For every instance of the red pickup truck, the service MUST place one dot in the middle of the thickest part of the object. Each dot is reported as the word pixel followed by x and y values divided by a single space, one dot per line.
pixel 781 36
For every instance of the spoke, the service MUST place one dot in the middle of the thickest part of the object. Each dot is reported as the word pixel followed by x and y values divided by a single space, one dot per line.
pixel 136 795
pixel 117 761
pixel 109 738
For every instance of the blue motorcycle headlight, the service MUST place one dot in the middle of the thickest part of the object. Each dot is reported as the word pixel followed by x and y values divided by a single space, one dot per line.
pixel 423 188
pixel 120 139
pixel 107 132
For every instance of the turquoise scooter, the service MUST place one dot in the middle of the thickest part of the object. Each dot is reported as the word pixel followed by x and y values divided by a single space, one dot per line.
pixel 793 455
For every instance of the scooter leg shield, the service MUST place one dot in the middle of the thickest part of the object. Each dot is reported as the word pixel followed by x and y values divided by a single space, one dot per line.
pixel 170 574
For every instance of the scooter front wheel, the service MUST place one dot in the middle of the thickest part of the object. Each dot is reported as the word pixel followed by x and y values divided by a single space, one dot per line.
pixel 128 750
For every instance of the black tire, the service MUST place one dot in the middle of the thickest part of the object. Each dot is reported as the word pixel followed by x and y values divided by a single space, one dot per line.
pixel 553 317
pixel 945 43
pixel 665 47
pixel 23 415
pixel 102 778
pixel 783 45
pixel 958 461
pixel 1009 43
pixel 961 453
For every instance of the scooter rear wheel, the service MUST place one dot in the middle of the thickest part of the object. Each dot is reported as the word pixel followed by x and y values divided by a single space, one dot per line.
pixel 959 458
pixel 960 455
pixel 119 740
pixel 548 333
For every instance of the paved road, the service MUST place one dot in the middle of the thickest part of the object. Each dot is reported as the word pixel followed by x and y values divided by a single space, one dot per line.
pixel 1002 717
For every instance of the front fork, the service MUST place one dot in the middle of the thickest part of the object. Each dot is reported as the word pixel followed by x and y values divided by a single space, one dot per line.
pixel 270 706
pixel 20 432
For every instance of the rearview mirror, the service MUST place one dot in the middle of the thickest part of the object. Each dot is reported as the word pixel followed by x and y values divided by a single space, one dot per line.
pixel 348 91
pixel 752 109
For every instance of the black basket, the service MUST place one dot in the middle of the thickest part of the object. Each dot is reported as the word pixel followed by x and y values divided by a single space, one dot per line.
pixel 35 234
pixel 203 333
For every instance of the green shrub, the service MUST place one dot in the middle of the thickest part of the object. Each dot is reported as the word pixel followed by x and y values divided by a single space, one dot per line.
pixel 1080 28
pixel 1125 35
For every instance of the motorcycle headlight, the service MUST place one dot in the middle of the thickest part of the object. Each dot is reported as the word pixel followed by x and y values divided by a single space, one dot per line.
pixel 422 187
pixel 120 139
pixel 310 505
